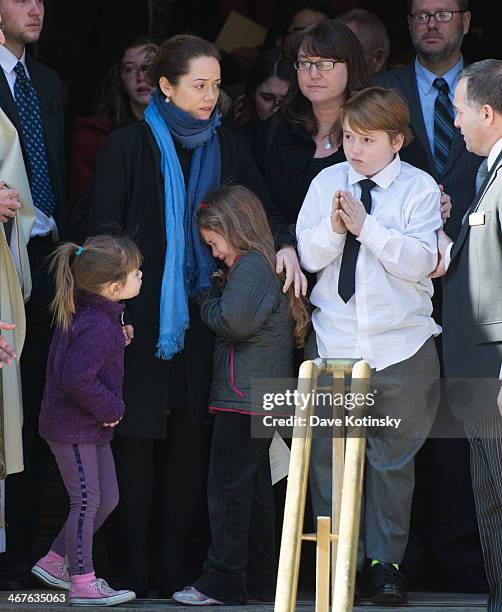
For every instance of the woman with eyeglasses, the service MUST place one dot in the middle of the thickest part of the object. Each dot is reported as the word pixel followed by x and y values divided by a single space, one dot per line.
pixel 304 137
pixel 122 98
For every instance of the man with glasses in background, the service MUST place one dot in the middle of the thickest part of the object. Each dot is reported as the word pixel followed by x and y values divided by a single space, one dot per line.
pixel 437 29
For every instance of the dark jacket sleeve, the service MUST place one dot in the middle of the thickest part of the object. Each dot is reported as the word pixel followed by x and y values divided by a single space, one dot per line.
pixel 249 297
pixel 86 355
pixel 108 197
pixel 263 154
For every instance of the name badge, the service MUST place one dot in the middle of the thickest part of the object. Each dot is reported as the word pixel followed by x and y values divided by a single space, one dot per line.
pixel 477 218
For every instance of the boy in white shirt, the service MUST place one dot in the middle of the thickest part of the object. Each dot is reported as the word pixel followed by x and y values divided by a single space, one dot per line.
pixel 368 228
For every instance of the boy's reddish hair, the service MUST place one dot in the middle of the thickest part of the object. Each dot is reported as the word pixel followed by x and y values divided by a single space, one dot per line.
pixel 376 109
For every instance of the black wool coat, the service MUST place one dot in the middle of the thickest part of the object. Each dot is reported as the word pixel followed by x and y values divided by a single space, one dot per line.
pixel 128 197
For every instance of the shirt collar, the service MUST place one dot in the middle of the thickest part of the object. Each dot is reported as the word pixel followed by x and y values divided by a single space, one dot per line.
pixel 8 60
pixel 425 78
pixel 494 153
pixel 383 178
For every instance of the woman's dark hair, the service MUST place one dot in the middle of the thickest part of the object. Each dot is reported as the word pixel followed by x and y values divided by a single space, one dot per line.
pixel 269 63
pixel 329 39
pixel 173 61
pixel 284 16
pixel 111 102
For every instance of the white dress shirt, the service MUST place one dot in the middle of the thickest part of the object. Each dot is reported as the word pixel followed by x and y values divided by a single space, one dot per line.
pixel 43 224
pixel 389 317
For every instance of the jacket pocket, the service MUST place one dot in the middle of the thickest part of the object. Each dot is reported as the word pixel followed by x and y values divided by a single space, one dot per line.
pixel 231 371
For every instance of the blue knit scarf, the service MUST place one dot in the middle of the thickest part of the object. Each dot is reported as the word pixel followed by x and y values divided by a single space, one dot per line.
pixel 188 262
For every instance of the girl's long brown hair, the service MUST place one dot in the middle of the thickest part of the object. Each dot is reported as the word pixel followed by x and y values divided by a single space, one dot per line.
pixel 101 260
pixel 236 214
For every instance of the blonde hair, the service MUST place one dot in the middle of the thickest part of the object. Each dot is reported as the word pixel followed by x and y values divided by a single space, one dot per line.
pixel 376 109
pixel 100 261
pixel 237 215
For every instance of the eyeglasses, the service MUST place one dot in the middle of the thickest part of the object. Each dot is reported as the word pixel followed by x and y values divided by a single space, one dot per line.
pixel 130 71
pixel 321 65
pixel 439 17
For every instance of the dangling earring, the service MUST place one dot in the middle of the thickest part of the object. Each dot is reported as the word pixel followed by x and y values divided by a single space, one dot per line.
pixel 167 100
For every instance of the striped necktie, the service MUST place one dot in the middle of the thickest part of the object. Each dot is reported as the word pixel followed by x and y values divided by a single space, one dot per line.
pixel 444 130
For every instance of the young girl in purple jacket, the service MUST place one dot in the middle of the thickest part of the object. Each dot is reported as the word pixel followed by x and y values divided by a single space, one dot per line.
pixel 82 403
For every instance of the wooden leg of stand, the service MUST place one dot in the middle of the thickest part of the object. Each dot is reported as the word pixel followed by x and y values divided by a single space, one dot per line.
pixel 345 573
pixel 338 454
pixel 322 564
pixel 294 509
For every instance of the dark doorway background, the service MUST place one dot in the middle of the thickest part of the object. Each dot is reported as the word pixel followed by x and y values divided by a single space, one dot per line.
pixel 81 39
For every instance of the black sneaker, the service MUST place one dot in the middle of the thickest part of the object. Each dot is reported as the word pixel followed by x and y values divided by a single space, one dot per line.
pixel 388 585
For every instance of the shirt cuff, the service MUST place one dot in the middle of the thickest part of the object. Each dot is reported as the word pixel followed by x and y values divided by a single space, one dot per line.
pixel 373 235
pixel 500 374
pixel 333 237
pixel 447 256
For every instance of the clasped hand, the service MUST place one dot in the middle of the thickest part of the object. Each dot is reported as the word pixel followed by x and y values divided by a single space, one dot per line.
pixel 347 213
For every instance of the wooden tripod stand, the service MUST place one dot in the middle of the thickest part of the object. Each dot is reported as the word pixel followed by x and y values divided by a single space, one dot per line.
pixel 348 466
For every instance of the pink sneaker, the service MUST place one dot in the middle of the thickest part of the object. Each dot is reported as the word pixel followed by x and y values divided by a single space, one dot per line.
pixel 96 592
pixel 52 572
pixel 192 597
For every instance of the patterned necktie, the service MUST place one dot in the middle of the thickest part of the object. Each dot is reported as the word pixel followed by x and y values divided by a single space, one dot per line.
pixel 347 276
pixel 28 106
pixel 444 130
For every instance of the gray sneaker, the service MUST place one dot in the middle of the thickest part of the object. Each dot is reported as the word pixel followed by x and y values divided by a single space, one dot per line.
pixel 192 597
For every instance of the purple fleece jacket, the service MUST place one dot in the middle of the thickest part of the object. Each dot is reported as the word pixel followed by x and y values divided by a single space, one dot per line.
pixel 85 372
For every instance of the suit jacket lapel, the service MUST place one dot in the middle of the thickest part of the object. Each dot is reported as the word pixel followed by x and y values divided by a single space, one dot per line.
pixel 477 201
pixel 8 104
pixel 456 148
pixel 41 89
pixel 416 114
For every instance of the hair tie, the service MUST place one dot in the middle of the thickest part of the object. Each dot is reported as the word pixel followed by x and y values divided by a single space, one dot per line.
pixel 203 205
pixel 79 251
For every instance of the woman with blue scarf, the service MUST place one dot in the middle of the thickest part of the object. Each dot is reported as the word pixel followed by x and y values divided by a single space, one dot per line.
pixel 151 178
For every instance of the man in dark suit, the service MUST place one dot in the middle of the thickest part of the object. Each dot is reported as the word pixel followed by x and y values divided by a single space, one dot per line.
pixel 472 309
pixel 437 29
pixel 30 95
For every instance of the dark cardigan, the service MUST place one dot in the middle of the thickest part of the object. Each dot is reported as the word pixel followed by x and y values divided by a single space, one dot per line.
pixel 284 154
pixel 128 196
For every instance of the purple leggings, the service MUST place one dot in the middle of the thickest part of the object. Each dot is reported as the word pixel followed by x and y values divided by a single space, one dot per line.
pixel 88 473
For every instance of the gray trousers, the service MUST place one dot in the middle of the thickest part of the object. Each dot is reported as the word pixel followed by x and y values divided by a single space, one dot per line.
pixel 485 438
pixel 408 390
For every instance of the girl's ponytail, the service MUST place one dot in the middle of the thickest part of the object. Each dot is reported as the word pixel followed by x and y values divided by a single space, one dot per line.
pixel 63 303
pixel 89 268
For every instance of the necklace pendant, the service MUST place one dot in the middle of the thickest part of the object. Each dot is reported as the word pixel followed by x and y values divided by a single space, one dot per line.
pixel 328 144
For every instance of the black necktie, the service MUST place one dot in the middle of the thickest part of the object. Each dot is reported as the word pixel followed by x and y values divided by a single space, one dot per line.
pixel 347 276
pixel 444 129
